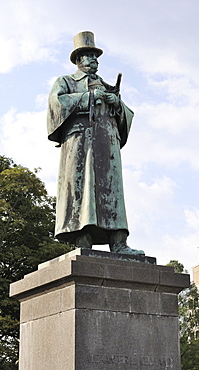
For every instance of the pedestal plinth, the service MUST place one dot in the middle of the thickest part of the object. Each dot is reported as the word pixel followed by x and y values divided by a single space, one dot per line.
pixel 83 312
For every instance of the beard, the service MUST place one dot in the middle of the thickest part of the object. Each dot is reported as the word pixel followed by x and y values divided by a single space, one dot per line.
pixel 88 66
pixel 93 67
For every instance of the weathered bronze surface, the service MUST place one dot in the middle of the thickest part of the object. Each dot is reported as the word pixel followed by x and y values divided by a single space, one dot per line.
pixel 88 119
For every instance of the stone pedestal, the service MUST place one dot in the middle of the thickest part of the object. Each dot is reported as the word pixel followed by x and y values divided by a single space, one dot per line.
pixel 83 312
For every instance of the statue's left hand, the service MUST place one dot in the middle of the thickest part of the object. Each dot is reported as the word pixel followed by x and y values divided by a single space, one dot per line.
pixel 112 99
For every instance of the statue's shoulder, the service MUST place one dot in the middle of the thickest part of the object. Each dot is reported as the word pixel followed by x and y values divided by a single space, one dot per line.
pixel 64 78
pixel 78 75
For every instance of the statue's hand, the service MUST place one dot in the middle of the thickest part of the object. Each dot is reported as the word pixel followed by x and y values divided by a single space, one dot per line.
pixel 98 94
pixel 112 99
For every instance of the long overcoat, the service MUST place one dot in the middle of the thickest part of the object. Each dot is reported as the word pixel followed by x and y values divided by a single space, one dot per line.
pixel 90 188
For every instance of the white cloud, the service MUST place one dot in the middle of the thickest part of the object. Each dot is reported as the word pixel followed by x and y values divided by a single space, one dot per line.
pixel 179 90
pixel 24 138
pixel 28 33
pixel 163 134
pixel 192 219
pixel 9 54
pixel 170 118
pixel 183 248
pixel 156 37
pixel 147 204
pixel 153 215
pixel 41 101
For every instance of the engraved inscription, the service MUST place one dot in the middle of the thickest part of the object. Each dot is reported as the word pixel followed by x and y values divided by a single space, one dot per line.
pixel 147 360
pixel 112 359
pixel 133 359
pixel 166 362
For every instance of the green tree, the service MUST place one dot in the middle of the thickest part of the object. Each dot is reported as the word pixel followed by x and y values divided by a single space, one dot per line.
pixel 178 267
pixel 188 308
pixel 27 218
pixel 189 354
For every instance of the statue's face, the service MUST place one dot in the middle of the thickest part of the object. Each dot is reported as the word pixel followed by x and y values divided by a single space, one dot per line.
pixel 88 63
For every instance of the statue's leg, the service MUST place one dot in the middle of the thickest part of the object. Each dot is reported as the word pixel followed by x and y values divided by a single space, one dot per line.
pixel 84 241
pixel 118 243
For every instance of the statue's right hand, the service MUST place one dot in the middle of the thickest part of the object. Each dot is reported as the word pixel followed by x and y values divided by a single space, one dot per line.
pixel 98 94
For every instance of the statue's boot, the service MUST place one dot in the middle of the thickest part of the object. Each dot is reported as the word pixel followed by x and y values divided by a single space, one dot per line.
pixel 124 249
pixel 84 241
pixel 118 243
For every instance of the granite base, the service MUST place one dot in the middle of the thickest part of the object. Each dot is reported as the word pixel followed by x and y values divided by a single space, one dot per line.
pixel 81 312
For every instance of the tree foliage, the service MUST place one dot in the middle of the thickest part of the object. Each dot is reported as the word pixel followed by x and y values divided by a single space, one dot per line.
pixel 27 218
pixel 178 267
pixel 189 354
pixel 188 308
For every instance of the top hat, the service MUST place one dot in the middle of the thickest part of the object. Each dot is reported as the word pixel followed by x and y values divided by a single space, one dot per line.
pixel 84 41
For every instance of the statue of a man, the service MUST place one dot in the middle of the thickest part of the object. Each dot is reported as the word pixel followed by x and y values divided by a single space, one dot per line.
pixel 91 123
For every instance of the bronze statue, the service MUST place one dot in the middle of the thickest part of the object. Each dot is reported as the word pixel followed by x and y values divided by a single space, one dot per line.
pixel 88 119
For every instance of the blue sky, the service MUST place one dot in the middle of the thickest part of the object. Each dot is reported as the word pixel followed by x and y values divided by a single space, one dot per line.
pixel 154 43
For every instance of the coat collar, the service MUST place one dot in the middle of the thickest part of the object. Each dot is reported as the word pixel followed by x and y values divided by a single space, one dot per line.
pixel 78 75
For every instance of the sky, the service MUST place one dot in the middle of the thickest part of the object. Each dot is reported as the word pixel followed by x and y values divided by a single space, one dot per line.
pixel 154 44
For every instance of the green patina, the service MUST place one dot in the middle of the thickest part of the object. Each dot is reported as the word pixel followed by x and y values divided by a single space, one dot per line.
pixel 91 123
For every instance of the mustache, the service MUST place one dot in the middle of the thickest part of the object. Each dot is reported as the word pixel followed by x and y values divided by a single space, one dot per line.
pixel 91 62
